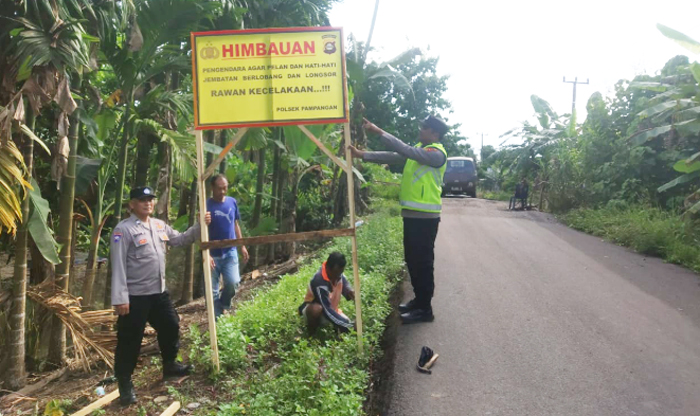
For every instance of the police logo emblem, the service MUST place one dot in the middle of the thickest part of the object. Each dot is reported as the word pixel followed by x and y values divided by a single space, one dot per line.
pixel 329 44
pixel 209 52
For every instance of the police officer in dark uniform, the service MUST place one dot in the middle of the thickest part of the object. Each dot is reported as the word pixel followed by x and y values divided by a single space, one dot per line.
pixel 421 204
pixel 138 248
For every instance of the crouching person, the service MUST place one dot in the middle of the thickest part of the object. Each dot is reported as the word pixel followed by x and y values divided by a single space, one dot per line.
pixel 322 300
pixel 138 249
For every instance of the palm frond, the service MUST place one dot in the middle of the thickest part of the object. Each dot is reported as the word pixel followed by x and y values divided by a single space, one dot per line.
pixel 12 182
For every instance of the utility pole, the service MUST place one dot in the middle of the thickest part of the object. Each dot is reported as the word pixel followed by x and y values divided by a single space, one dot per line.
pixel 575 81
pixel 481 150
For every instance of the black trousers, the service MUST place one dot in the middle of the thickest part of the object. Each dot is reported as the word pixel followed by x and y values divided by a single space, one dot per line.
pixel 158 311
pixel 419 251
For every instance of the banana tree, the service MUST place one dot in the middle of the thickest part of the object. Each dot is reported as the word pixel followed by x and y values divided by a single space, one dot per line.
pixel 676 108
pixel 98 132
pixel 540 142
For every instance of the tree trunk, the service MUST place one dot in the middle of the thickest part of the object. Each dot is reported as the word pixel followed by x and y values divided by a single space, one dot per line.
pixel 257 207
pixel 143 161
pixel 274 202
pixel 91 264
pixel 284 174
pixel 341 201
pixel 223 138
pixel 165 182
pixel 119 191
pixel 188 278
pixel 41 269
pixel 209 137
pixel 291 219
pixel 259 189
pixel 184 200
pixel 57 348
pixel 16 375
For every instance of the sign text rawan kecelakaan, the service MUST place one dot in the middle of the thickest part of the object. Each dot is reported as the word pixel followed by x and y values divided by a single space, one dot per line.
pixel 248 78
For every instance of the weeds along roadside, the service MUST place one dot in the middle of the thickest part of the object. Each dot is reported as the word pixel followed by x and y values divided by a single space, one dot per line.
pixel 646 230
pixel 271 367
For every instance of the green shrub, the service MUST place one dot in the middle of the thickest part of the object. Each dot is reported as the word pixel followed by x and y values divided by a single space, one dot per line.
pixel 647 230
pixel 381 181
pixel 619 204
pixel 314 210
pixel 275 368
pixel 496 195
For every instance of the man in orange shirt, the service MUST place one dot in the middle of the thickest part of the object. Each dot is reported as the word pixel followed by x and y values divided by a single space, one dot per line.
pixel 322 300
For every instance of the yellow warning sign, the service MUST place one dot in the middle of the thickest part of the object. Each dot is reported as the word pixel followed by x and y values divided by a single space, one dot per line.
pixel 267 77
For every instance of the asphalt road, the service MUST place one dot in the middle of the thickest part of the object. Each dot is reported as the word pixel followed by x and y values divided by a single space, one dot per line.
pixel 533 318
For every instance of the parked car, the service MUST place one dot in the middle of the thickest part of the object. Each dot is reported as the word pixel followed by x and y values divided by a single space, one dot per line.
pixel 460 176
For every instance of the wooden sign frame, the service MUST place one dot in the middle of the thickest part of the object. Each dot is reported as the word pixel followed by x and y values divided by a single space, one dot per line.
pixel 206 245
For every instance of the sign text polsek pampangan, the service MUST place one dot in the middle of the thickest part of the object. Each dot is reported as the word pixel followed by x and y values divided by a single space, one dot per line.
pixel 269 77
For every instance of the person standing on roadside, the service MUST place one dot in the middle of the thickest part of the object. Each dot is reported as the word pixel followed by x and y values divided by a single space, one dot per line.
pixel 225 225
pixel 421 204
pixel 139 296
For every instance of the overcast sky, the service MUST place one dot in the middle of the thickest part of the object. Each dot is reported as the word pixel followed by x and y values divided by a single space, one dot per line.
pixel 498 53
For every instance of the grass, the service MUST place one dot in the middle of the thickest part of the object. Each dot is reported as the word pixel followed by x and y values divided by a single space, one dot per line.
pixel 495 196
pixel 646 230
pixel 270 364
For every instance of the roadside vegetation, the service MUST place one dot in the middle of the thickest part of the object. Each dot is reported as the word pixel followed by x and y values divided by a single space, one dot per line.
pixel 647 230
pixel 630 172
pixel 272 367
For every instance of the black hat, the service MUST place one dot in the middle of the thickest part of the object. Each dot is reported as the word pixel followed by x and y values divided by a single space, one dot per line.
pixel 142 192
pixel 436 124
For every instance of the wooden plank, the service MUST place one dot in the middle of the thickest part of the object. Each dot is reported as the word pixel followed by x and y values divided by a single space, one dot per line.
pixel 97 404
pixel 324 149
pixel 210 170
pixel 278 238
pixel 351 206
pixel 170 411
pixel 206 258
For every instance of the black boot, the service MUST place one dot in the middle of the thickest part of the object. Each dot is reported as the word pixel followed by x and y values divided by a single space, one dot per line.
pixel 126 392
pixel 408 306
pixel 418 315
pixel 173 369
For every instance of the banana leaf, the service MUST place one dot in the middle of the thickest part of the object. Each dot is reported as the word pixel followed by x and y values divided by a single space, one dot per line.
pixel 679 181
pixel 38 227
pixel 85 172
pixel 646 135
pixel 681 39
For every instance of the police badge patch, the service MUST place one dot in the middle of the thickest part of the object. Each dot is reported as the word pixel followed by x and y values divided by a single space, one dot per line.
pixel 117 236
pixel 329 44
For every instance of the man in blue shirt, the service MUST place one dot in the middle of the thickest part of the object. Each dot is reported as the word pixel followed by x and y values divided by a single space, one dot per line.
pixel 224 226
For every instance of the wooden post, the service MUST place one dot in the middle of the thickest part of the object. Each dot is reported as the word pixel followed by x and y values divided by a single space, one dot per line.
pixel 351 207
pixel 206 258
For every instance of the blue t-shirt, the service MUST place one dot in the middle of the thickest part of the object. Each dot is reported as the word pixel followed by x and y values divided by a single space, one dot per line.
pixel 223 223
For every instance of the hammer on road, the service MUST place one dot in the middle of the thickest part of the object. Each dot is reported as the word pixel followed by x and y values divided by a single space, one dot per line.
pixel 426 360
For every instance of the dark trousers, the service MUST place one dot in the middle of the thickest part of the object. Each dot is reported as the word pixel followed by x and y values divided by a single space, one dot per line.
pixel 158 311
pixel 419 251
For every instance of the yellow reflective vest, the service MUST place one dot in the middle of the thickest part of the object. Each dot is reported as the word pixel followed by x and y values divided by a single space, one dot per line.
pixel 421 185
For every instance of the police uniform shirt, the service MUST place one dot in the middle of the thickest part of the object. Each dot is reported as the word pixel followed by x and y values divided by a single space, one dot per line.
pixel 138 256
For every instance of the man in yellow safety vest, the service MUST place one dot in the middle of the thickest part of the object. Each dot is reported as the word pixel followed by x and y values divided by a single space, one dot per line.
pixel 421 187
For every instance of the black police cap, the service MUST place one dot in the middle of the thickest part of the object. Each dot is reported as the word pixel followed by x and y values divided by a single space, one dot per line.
pixel 142 192
pixel 436 124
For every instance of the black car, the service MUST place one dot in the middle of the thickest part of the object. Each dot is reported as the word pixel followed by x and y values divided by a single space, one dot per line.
pixel 460 176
